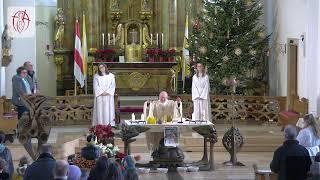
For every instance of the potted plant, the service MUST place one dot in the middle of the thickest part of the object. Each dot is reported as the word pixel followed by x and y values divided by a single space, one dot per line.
pixel 103 133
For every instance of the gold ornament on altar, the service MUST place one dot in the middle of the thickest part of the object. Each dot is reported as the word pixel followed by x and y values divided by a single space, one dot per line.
pixel 60 23
pixel 137 80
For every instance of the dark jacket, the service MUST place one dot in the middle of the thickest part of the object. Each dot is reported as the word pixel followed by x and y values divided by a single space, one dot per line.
pixel 6 155
pixel 42 168
pixel 18 89
pixel 291 161
pixel 4 176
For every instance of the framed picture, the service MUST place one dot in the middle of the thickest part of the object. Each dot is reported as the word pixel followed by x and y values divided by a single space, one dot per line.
pixel 171 136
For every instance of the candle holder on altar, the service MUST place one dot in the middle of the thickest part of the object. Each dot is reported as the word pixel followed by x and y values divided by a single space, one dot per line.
pixel 232 139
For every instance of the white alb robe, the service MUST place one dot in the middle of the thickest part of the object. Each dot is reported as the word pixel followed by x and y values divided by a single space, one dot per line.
pixel 104 110
pixel 309 140
pixel 201 98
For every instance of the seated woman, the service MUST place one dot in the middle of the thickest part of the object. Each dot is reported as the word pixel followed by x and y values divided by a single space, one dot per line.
pixel 91 151
pixel 309 136
pixel 100 171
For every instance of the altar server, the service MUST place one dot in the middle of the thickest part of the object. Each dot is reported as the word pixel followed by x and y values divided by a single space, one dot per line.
pixel 104 88
pixel 200 94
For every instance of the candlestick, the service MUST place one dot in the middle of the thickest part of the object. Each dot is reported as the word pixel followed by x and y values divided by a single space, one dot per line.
pixel 108 39
pixel 151 38
pixel 157 39
pixel 161 39
pixel 103 40
pixel 133 117
pixel 114 39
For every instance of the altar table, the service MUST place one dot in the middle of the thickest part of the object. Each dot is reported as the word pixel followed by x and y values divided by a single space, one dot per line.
pixel 131 129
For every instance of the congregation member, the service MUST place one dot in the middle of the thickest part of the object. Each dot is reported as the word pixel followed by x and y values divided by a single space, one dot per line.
pixel 200 94
pixel 43 166
pixel 104 88
pixel 100 170
pixel 31 77
pixel 291 160
pixel 61 170
pixel 309 135
pixel 21 169
pixel 20 87
pixel 130 172
pixel 74 172
pixel 114 172
pixel 3 174
pixel 5 154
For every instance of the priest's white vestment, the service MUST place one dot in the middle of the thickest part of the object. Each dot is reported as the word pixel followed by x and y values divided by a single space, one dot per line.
pixel 104 110
pixel 201 97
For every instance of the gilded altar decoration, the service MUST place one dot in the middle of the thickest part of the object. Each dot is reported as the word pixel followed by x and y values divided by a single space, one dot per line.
pixel 137 80
pixel 114 4
pixel 6 47
pixel 60 23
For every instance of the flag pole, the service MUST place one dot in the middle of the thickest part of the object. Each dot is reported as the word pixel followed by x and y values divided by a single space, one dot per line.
pixel 75 86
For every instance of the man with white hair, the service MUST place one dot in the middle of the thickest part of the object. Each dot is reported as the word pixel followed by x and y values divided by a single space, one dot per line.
pixel 291 160
pixel 61 170
pixel 163 108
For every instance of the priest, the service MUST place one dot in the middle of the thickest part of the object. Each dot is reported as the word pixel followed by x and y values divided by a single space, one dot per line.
pixel 164 109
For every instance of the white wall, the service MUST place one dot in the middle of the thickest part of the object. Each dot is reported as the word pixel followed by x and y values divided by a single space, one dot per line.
pixel 46 69
pixel 291 19
pixel 23 49
pixel 2 69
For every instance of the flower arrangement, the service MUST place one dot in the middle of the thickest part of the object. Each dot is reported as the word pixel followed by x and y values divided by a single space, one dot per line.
pixel 110 150
pixel 103 133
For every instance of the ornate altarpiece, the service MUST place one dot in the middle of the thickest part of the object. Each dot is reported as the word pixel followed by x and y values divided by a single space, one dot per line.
pixel 129 24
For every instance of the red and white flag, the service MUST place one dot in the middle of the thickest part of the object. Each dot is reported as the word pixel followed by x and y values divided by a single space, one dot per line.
pixel 78 70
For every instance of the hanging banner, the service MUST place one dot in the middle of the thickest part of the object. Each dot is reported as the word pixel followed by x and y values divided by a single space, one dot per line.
pixel 21 21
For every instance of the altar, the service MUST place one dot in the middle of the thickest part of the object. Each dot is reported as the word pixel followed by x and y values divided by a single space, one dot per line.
pixel 167 155
pixel 136 39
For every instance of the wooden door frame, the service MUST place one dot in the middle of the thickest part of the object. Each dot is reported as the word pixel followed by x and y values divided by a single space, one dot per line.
pixel 292 93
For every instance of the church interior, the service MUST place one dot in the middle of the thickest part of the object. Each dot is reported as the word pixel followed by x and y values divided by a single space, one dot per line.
pixel 254 62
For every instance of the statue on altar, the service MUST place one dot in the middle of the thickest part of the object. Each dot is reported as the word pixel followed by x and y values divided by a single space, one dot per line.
pixel 146 36
pixel 145 5
pixel 6 46
pixel 60 23
pixel 114 4
pixel 120 36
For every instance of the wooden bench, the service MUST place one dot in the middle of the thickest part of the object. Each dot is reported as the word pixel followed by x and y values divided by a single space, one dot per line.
pixel 264 174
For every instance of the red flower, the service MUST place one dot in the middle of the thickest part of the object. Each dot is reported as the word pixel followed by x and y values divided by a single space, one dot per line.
pixel 102 132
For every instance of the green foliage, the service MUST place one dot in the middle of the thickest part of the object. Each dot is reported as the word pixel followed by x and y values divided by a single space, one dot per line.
pixel 222 28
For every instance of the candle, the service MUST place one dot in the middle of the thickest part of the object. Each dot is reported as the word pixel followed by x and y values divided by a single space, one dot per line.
pixel 108 38
pixel 103 40
pixel 151 38
pixel 157 39
pixel 133 117
pixel 114 39
pixel 161 39
pixel 238 20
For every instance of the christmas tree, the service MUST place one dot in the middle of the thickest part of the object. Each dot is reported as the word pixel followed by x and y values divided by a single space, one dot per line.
pixel 227 36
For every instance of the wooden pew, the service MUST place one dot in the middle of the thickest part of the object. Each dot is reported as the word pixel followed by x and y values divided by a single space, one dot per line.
pixel 264 174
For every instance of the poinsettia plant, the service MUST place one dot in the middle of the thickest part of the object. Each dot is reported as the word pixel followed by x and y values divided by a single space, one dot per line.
pixel 102 132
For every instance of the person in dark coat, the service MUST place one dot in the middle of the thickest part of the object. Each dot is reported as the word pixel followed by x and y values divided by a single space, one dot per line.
pixel 20 87
pixel 3 174
pixel 100 171
pixel 291 161
pixel 6 155
pixel 42 168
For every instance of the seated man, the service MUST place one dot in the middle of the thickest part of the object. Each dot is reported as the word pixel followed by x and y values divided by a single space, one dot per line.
pixel 164 108
pixel 291 160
